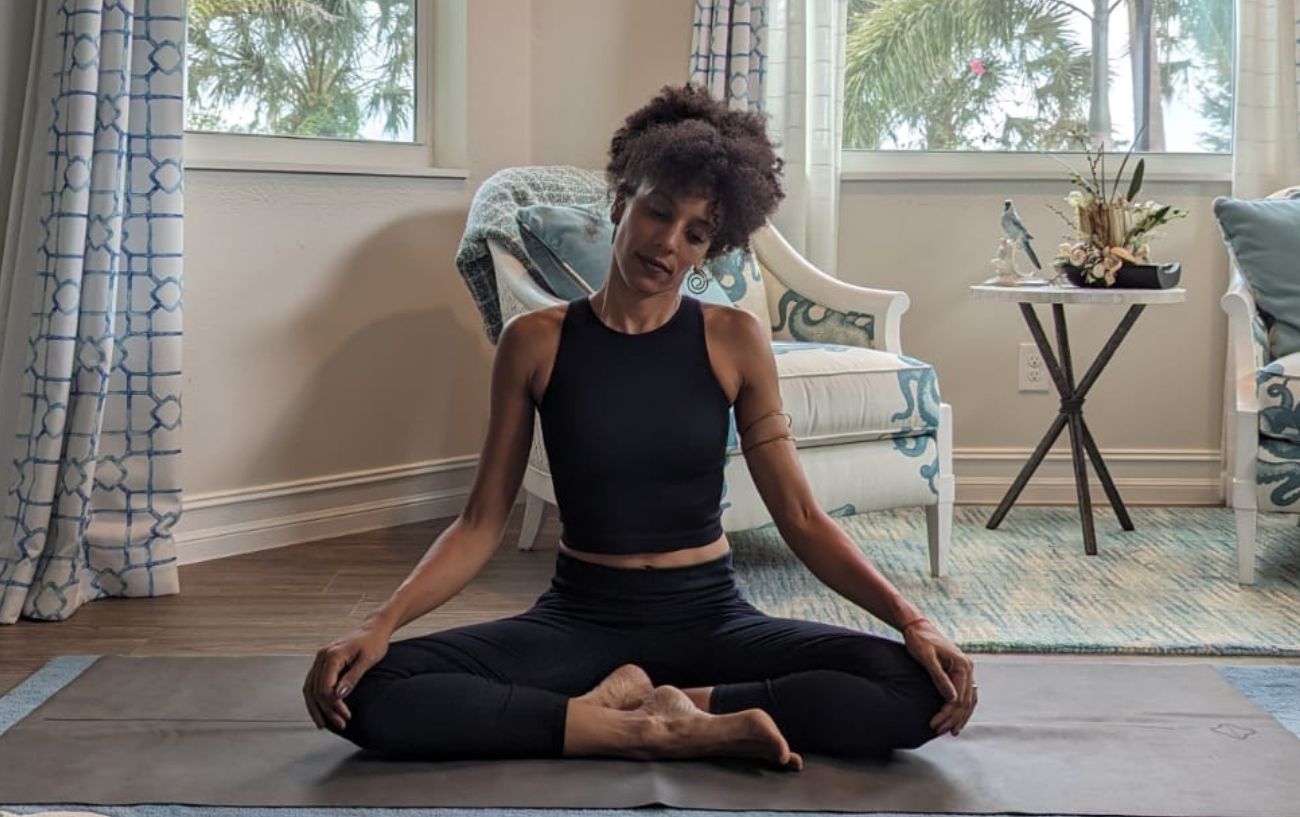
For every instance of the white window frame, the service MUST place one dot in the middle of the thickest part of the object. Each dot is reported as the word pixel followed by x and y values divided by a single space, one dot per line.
pixel 974 165
pixel 437 149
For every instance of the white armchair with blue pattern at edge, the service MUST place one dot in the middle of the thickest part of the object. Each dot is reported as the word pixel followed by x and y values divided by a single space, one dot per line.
pixel 871 431
pixel 1262 464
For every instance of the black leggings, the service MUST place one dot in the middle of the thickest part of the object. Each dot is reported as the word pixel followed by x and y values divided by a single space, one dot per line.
pixel 501 688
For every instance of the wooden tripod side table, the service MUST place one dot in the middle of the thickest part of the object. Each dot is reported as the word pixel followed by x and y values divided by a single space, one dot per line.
pixel 1072 393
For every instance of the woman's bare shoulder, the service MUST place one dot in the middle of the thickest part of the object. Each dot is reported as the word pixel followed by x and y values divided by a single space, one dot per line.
pixel 732 328
pixel 532 328
pixel 534 340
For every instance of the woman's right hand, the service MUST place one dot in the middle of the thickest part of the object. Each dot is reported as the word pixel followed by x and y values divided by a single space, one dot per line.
pixel 349 657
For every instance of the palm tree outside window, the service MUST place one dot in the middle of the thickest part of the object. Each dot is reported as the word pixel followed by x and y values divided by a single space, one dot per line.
pixel 1022 75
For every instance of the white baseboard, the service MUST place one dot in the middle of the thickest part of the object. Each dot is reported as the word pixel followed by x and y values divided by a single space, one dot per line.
pixel 1191 476
pixel 229 523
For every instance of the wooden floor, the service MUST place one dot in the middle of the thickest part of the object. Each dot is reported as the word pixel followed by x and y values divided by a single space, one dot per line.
pixel 296 599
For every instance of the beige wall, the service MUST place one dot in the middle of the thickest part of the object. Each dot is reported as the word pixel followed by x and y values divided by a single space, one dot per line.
pixel 594 62
pixel 327 329
pixel 15 51
pixel 1162 390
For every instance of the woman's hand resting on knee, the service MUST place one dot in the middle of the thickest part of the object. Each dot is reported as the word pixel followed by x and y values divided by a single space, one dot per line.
pixel 952 671
pixel 350 657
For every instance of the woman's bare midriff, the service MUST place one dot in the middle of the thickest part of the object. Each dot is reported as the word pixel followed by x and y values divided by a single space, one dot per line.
pixel 673 558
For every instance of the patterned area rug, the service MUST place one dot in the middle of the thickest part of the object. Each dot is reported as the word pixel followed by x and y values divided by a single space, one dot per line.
pixel 1167 587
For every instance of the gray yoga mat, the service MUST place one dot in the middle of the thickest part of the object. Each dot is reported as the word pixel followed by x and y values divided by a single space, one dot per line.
pixel 1048 738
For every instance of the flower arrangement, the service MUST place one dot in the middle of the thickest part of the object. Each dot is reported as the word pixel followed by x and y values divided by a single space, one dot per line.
pixel 1109 230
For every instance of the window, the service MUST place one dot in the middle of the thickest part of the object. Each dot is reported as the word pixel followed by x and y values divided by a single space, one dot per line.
pixel 1020 76
pixel 325 85
pixel 343 70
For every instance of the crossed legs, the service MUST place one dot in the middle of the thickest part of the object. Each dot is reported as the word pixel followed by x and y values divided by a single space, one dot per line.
pixel 740 684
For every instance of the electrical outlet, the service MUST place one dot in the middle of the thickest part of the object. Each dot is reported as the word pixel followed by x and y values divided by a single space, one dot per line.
pixel 1033 372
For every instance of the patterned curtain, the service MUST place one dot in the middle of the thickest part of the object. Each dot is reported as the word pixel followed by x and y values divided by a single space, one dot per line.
pixel 729 51
pixel 1266 145
pixel 785 58
pixel 90 362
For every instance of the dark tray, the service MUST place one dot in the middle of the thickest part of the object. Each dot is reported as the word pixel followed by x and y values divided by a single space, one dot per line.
pixel 1130 276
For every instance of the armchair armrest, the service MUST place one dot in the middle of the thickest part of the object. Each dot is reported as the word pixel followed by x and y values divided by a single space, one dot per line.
pixel 1247 341
pixel 516 289
pixel 886 306
pixel 1247 352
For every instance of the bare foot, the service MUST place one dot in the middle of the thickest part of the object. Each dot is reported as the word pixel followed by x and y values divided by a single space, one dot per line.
pixel 680 730
pixel 625 688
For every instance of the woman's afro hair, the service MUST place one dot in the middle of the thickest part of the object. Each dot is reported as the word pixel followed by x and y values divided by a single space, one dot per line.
pixel 684 142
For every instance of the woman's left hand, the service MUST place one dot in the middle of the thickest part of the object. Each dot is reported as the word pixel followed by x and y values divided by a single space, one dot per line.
pixel 953 674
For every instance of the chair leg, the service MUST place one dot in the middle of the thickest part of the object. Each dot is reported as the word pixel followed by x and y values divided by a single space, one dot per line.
pixel 1245 518
pixel 534 507
pixel 938 517
pixel 938 524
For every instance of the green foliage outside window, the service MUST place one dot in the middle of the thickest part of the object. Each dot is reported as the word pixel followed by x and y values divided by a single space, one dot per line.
pixel 325 68
pixel 939 75
pixel 1021 74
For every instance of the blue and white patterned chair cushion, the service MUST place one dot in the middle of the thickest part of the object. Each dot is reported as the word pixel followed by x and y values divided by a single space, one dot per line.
pixel 1278 385
pixel 1277 464
pixel 842 394
pixel 1277 475
pixel 795 317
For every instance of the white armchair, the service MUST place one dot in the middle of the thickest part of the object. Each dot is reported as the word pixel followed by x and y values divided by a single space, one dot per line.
pixel 1261 454
pixel 871 431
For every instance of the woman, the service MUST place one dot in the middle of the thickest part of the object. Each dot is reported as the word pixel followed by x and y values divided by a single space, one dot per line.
pixel 642 647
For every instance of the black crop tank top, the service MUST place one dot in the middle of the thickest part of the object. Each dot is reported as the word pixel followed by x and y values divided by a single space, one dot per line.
pixel 635 428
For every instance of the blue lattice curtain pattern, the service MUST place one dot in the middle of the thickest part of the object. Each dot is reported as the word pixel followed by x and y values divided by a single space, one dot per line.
pixel 94 490
pixel 729 50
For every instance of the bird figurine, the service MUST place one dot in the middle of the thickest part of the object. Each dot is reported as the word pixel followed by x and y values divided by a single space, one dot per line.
pixel 1016 231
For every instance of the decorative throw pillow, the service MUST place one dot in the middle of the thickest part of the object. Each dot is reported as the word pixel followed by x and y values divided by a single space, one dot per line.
pixel 569 244
pixel 572 246
pixel 1264 238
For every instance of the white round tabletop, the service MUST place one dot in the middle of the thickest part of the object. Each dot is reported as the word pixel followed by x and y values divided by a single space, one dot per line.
pixel 1070 294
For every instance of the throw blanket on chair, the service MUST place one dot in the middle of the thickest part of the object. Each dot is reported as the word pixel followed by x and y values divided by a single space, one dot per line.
pixel 492 216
